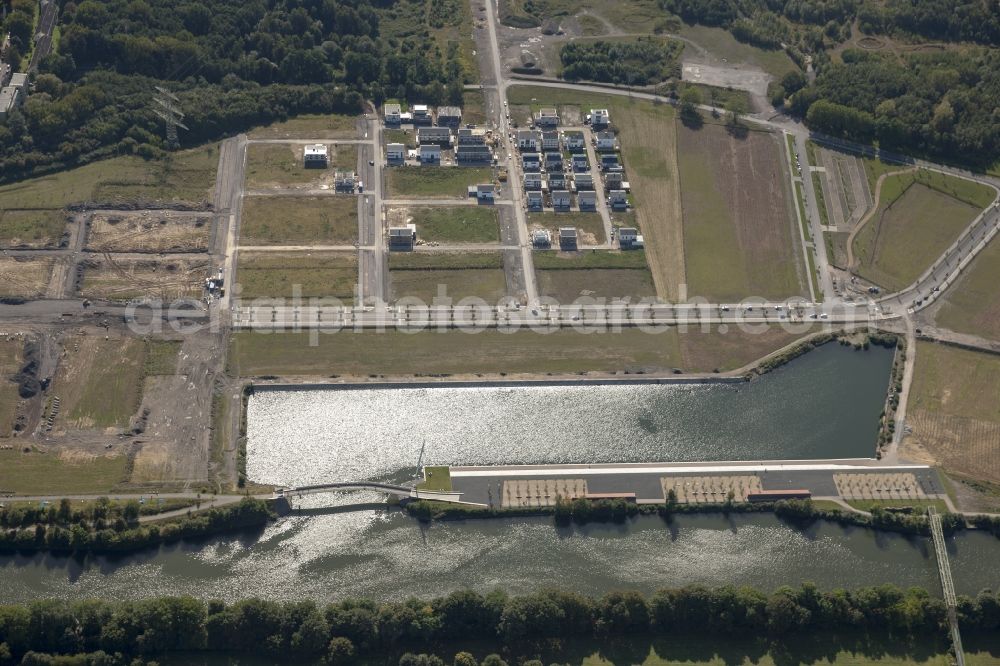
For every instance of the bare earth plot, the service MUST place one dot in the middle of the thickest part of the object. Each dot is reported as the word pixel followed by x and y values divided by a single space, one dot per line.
pixel 487 351
pixel 426 275
pixel 122 278
pixel 973 304
pixel 147 231
pixel 299 221
pixel 11 353
pixel 591 275
pixel 283 274
pixel 919 216
pixel 98 382
pixel 281 165
pixel 25 277
pixel 738 233
pixel 955 411
pixel 32 228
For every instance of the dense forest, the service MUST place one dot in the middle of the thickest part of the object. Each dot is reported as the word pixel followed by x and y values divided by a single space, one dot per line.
pixel 359 631
pixel 640 62
pixel 233 64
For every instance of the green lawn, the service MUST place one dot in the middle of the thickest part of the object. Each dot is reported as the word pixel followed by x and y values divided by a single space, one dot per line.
pixel 919 215
pixel 456 224
pixel 104 388
pixel 589 225
pixel 43 473
pixel 435 181
pixel 186 175
pixel 820 199
pixel 591 259
pixel 436 478
pixel 973 304
pixel 309 126
pixel 568 285
pixel 322 220
pixel 423 275
pixel 32 228
pixel 405 137
pixel 278 164
pixel 317 274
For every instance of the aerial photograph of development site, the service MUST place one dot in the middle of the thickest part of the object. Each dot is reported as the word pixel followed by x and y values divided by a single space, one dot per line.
pixel 499 332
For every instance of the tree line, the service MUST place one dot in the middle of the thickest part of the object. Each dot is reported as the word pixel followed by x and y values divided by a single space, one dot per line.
pixel 358 630
pixel 104 527
pixel 233 64
pixel 640 62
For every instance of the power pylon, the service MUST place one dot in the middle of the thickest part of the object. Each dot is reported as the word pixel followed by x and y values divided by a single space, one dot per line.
pixel 166 107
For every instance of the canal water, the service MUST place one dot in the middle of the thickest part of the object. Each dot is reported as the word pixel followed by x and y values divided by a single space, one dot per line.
pixel 825 404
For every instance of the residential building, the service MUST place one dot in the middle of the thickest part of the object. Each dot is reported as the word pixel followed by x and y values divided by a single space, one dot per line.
pixel 535 201
pixel 629 237
pixel 402 238
pixel 429 154
pixel 395 153
pixel 613 179
pixel 541 237
pixel 484 192
pixel 449 116
pixel 471 136
pixel 599 118
pixel 609 162
pixel 561 200
pixel 13 94
pixel 344 181
pixel 580 163
pixel 584 181
pixel 574 141
pixel 531 162
pixel 547 117
pixel 618 200
pixel 421 115
pixel 533 181
pixel 315 156
pixel 567 238
pixel 553 161
pixel 473 154
pixel 529 139
pixel 392 113
pixel 587 200
pixel 550 140
pixel 606 140
pixel 557 180
pixel 436 135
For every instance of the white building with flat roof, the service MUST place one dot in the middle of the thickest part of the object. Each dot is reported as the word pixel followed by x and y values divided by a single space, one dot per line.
pixel 315 156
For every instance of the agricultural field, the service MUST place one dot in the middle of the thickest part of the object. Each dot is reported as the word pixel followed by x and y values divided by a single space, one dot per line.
pixel 918 217
pixel 25 277
pixel 315 274
pixel 589 226
pixel 739 236
pixel 148 231
pixel 280 165
pixel 488 351
pixel 320 220
pixel 309 126
pixel 972 305
pixel 64 473
pixel 32 228
pixel 597 274
pixel 450 224
pixel 98 382
pixel 954 410
pixel 649 152
pixel 107 277
pixel 187 175
pixel 432 182
pixel 423 275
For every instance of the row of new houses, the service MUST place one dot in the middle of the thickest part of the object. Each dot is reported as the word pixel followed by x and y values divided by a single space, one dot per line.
pixel 573 141
pixel 579 162
pixel 549 117
pixel 471 146
pixel 586 199
pixel 421 114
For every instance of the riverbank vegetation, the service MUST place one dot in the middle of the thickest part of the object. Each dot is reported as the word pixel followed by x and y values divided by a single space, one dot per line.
pixel 518 629
pixel 107 527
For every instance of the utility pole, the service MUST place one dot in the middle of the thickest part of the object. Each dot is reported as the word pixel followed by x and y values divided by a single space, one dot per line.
pixel 166 106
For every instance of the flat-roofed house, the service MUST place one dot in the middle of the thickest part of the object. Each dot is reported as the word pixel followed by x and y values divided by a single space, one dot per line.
pixel 609 162
pixel 421 115
pixel 449 116
pixel 618 200
pixel 535 200
pixel 429 154
pixel 580 162
pixel 629 237
pixel 344 181
pixel 584 181
pixel 314 156
pixel 471 136
pixel 567 238
pixel 561 200
pixel 574 141
pixel 436 135
pixel 613 179
pixel 606 140
pixel 531 162
pixel 533 181
pixel 473 154
pixel 553 161
pixel 550 140
pixel 392 114
pixel 557 180
pixel 402 238
pixel 395 153
pixel 485 192
pixel 547 117
pixel 529 139
pixel 587 200
pixel 599 118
